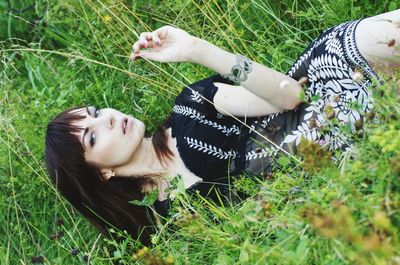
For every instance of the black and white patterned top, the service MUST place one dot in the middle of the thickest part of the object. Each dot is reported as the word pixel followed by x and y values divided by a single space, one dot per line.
pixel 209 143
pixel 214 146
pixel 339 78
pixel 221 143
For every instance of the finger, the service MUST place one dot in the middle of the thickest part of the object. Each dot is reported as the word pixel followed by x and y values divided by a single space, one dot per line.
pixel 134 56
pixel 151 55
pixel 162 32
pixel 145 35
pixel 141 55
pixel 141 43
pixel 136 47
pixel 156 40
pixel 146 38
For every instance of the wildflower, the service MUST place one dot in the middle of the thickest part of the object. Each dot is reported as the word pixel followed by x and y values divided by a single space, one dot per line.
pixel 381 220
pixel 170 259
pixel 313 123
pixel 371 115
pixel 57 235
pixel 37 260
pixel 359 124
pixel 107 18
pixel 337 203
pixel 141 253
pixel 394 164
pixel 26 153
pixel 266 206
pixel 329 112
pixel 59 222
pixel 303 81
pixel 314 157
pixel 371 242
pixel 357 76
pixel 294 190
pixel 74 251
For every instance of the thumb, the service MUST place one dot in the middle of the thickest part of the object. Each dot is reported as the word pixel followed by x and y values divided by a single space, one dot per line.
pixel 150 55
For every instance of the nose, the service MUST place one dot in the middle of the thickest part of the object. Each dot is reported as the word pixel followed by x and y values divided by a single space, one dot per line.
pixel 110 122
pixel 107 121
pixel 103 121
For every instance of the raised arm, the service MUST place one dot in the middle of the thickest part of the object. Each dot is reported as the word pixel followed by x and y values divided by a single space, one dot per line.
pixel 169 44
pixel 278 89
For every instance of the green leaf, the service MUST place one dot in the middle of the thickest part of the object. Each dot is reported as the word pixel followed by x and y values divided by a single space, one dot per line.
pixel 284 161
pixel 392 6
pixel 303 96
pixel 148 200
pixel 244 256
pixel 117 254
pixel 302 250
pixel 224 259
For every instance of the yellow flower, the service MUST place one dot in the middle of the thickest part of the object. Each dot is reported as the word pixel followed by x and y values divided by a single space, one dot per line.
pixel 107 18
pixel 170 259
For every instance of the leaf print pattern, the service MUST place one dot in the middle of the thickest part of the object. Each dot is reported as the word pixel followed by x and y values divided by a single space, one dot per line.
pixel 270 151
pixel 330 79
pixel 195 96
pixel 329 64
pixel 267 119
pixel 209 149
pixel 194 114
pixel 333 46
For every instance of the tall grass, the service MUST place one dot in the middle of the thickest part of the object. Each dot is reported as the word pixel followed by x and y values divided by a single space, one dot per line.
pixel 60 54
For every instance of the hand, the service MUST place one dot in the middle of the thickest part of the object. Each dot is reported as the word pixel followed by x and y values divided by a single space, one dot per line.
pixel 167 44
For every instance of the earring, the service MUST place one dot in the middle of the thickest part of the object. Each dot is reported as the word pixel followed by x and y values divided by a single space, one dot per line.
pixel 107 174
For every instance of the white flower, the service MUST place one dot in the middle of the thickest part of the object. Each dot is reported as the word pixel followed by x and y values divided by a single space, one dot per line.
pixel 357 76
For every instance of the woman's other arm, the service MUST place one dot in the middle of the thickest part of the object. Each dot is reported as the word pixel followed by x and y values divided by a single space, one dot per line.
pixel 169 44
pixel 276 88
pixel 240 102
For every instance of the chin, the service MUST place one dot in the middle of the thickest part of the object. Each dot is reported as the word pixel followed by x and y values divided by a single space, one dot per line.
pixel 141 128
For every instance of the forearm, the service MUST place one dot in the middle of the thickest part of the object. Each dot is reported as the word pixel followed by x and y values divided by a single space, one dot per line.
pixel 278 89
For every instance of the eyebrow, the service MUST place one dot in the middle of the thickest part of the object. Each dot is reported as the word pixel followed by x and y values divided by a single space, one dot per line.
pixel 86 130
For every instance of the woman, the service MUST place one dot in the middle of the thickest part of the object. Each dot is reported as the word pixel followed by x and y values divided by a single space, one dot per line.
pixel 232 123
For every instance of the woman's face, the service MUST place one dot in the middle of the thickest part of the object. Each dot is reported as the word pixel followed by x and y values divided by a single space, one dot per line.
pixel 109 137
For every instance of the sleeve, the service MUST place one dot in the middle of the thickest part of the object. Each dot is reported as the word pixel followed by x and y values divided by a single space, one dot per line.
pixel 200 95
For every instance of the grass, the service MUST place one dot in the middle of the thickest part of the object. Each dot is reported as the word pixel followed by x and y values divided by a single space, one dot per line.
pixel 60 54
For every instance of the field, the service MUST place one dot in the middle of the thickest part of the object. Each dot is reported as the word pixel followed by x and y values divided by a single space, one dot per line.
pixel 59 54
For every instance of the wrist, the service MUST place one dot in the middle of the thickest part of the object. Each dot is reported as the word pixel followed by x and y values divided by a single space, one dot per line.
pixel 196 50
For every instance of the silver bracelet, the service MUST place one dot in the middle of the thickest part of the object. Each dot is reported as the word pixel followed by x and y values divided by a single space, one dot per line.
pixel 240 70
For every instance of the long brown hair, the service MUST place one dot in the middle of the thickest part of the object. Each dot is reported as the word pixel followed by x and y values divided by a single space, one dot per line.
pixel 104 203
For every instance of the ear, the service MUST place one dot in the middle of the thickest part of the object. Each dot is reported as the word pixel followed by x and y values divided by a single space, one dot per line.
pixel 107 173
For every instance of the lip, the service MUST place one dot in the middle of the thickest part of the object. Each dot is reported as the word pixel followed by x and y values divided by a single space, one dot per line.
pixel 125 125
